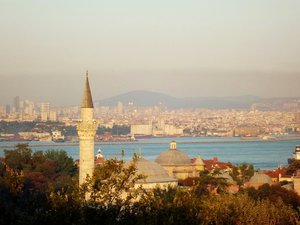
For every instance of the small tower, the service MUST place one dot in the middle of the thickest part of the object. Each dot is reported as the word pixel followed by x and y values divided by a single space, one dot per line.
pixel 86 129
pixel 173 145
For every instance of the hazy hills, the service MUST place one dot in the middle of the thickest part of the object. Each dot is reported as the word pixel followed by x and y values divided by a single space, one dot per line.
pixel 148 98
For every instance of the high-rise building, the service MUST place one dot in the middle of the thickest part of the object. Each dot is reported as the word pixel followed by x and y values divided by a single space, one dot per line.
pixel 17 104
pixel 53 116
pixel 8 109
pixel 45 111
pixel 297 117
pixel 2 109
pixel 120 107
pixel 86 129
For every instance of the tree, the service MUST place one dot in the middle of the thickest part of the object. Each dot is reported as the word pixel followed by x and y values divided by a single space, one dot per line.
pixel 274 193
pixel 113 183
pixel 64 165
pixel 293 167
pixel 241 209
pixel 210 183
pixel 242 173
pixel 19 158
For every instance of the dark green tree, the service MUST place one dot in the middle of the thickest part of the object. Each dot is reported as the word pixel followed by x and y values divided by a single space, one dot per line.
pixel 293 167
pixel 242 173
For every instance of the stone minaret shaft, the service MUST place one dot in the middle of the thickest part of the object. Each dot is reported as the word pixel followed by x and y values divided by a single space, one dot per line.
pixel 86 132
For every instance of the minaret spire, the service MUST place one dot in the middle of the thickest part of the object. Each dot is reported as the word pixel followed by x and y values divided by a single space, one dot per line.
pixel 86 129
pixel 87 101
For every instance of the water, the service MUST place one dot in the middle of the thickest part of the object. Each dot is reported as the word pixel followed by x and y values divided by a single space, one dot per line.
pixel 263 155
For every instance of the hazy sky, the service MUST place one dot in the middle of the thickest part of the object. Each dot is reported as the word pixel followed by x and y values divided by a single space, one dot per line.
pixel 181 48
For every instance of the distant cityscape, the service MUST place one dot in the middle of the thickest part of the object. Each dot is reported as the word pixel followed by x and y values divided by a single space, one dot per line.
pixel 127 121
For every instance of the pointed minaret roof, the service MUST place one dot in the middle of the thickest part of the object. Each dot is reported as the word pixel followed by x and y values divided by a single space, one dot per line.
pixel 87 101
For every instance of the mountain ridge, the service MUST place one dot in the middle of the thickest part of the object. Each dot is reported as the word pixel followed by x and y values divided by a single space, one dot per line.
pixel 150 98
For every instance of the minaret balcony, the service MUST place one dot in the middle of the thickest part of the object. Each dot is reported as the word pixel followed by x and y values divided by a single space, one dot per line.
pixel 87 129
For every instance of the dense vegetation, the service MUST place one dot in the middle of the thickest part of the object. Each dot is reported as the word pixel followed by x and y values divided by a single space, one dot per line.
pixel 42 188
pixel 16 127
pixel 293 167
pixel 115 130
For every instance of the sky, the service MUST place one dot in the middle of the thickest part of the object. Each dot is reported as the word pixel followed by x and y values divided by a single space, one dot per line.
pixel 188 48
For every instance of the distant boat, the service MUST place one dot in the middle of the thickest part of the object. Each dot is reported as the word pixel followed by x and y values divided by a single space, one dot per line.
pixel 132 138
pixel 57 136
pixel 269 138
pixel 142 136
pixel 59 140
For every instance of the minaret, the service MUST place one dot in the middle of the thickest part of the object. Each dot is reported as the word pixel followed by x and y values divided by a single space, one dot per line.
pixel 86 129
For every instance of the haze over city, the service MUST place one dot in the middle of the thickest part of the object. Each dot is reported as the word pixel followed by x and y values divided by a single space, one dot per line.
pixel 183 49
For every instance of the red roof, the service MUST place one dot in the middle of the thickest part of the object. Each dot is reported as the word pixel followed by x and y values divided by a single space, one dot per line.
pixel 275 173
pixel 214 163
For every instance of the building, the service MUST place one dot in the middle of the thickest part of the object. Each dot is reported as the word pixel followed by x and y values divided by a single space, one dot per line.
pixel 155 175
pixel 155 129
pixel 16 104
pixel 141 129
pixel 212 164
pixel 86 129
pixel 52 116
pixel 259 179
pixel 296 181
pixel 120 108
pixel 45 111
pixel 251 131
pixel 297 117
pixel 296 154
pixel 178 164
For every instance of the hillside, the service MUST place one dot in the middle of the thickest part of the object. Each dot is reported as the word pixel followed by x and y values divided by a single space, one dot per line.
pixel 149 98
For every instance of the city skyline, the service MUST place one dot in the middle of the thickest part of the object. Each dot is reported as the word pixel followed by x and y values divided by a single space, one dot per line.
pixel 190 49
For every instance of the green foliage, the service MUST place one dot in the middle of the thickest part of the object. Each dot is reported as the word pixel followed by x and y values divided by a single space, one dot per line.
pixel 275 193
pixel 16 127
pixel 52 170
pixel 113 184
pixel 241 209
pixel 115 130
pixel 209 183
pixel 20 158
pixel 69 130
pixel 293 167
pixel 242 173
pixel 42 189
pixel 64 165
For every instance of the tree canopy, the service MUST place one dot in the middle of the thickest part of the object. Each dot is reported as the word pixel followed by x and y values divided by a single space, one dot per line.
pixel 42 188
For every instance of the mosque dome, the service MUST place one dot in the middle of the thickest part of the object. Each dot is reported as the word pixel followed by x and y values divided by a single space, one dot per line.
pixel 226 176
pixel 173 157
pixel 153 171
pixel 260 178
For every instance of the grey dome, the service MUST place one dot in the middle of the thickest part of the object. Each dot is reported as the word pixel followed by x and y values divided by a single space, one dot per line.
pixel 173 157
pixel 199 161
pixel 260 178
pixel 154 172
pixel 226 176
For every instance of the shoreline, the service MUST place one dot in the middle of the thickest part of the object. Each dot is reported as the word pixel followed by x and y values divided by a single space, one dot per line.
pixel 156 142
